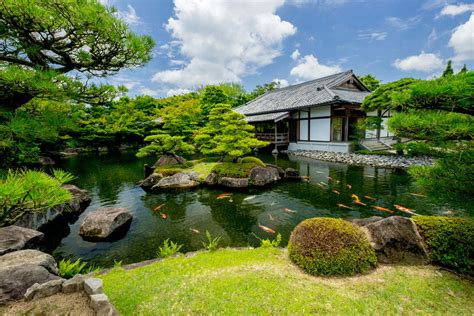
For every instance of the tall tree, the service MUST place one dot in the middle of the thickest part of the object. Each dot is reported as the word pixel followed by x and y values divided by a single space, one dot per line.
pixel 449 70
pixel 226 134
pixel 210 96
pixel 463 69
pixel 47 46
pixel 370 81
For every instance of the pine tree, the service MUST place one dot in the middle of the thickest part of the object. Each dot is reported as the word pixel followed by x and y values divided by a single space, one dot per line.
pixel 463 69
pixel 449 70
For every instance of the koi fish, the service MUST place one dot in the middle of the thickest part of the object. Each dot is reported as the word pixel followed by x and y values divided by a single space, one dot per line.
pixel 287 210
pixel 195 230
pixel 343 206
pixel 336 191
pixel 404 209
pixel 164 216
pixel 267 229
pixel 355 197
pixel 223 196
pixel 319 184
pixel 270 217
pixel 337 181
pixel 329 178
pixel 250 198
pixel 379 208
pixel 449 212
pixel 359 202
pixel 319 172
pixel 369 197
pixel 418 194
pixel 349 186
pixel 159 207
pixel 325 184
pixel 305 177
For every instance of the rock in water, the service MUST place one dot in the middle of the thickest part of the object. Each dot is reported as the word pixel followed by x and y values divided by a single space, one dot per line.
pixel 169 160
pixel 14 238
pixel 46 161
pixel 21 269
pixel 292 174
pixel 211 179
pixel 105 223
pixel 396 240
pixel 260 176
pixel 150 181
pixel 178 180
pixel 234 182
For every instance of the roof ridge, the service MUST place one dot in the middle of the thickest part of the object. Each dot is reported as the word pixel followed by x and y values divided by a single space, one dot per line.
pixel 338 80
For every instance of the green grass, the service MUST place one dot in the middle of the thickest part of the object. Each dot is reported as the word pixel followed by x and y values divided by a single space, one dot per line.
pixel 263 281
pixel 234 170
pixel 223 169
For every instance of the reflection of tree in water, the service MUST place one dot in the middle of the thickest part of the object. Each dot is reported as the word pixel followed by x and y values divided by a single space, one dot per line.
pixel 236 219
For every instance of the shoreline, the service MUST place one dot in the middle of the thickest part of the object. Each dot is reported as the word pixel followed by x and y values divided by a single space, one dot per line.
pixel 364 160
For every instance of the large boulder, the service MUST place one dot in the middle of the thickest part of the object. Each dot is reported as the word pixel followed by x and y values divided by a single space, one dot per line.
pixel 14 238
pixel 169 160
pixel 21 269
pixel 178 180
pixel 81 198
pixel 366 221
pixel 46 161
pixel 396 240
pixel 234 182
pixel 280 170
pixel 150 181
pixel 260 176
pixel 211 179
pixel 105 223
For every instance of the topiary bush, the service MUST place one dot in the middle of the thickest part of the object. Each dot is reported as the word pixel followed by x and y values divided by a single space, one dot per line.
pixel 255 160
pixel 450 241
pixel 330 246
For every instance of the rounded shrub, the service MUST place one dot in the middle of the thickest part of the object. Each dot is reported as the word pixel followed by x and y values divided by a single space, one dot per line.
pixel 330 246
pixel 254 160
pixel 450 241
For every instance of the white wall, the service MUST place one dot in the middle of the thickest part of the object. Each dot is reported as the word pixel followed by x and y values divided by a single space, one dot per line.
pixel 304 130
pixel 320 129
pixel 321 111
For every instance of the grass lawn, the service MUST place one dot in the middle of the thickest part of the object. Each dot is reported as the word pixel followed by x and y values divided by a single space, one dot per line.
pixel 263 281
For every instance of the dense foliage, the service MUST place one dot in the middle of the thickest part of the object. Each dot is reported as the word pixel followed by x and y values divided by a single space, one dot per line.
pixel 330 246
pixel 370 81
pixel 450 241
pixel 32 191
pixel 165 144
pixel 381 98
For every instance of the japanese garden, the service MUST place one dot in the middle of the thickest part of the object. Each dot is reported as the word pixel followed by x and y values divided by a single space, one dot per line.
pixel 338 193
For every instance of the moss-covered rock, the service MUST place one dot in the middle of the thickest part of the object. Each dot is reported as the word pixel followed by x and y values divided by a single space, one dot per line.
pixel 254 160
pixel 450 241
pixel 234 170
pixel 329 246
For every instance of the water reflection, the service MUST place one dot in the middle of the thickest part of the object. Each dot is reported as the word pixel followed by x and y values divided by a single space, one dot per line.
pixel 111 179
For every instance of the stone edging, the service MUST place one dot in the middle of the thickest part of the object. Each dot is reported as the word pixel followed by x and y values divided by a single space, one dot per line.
pixel 364 160
pixel 99 302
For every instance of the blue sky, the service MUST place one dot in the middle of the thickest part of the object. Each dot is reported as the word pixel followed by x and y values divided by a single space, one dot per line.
pixel 202 42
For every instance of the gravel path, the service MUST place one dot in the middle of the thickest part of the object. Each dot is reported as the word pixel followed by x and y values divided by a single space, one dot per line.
pixel 366 160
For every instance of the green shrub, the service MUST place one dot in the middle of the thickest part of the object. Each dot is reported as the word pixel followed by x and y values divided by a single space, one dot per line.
pixel 374 153
pixel 234 170
pixel 31 191
pixel 212 242
pixel 450 241
pixel 169 248
pixel 330 246
pixel 268 243
pixel 254 160
pixel 69 268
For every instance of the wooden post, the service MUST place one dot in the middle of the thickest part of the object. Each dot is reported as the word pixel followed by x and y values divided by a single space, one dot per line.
pixel 275 151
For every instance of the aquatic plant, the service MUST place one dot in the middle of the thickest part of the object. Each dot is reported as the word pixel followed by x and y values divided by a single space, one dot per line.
pixel 69 268
pixel 169 248
pixel 212 243
pixel 330 246
pixel 268 243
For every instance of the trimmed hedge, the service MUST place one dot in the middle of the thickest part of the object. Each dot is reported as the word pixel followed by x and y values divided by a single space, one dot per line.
pixel 330 246
pixel 450 241
pixel 253 160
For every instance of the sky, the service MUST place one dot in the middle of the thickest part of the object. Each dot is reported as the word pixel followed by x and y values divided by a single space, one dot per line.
pixel 251 42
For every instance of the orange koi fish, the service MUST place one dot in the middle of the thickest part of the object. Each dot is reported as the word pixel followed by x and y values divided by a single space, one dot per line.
pixel 159 207
pixel 223 196
pixel 404 209
pixel 287 210
pixel 355 197
pixel 418 194
pixel 369 197
pixel 267 229
pixel 329 178
pixel 359 202
pixel 379 208
pixel 164 216
pixel 349 186
pixel 336 191
pixel 195 230
pixel 343 206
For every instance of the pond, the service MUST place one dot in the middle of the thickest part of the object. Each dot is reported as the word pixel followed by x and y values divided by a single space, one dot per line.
pixel 111 180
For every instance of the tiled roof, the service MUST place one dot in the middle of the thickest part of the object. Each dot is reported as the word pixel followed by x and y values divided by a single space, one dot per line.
pixel 275 117
pixel 310 93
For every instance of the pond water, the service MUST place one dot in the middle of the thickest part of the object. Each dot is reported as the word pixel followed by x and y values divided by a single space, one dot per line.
pixel 111 180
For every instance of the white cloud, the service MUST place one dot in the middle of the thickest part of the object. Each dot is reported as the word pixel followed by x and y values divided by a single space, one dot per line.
pixel 403 24
pixel 432 37
pixel 456 9
pixel 129 16
pixel 308 68
pixel 148 91
pixel 282 83
pixel 371 36
pixel 173 92
pixel 295 55
pixel 426 62
pixel 462 41
pixel 224 40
